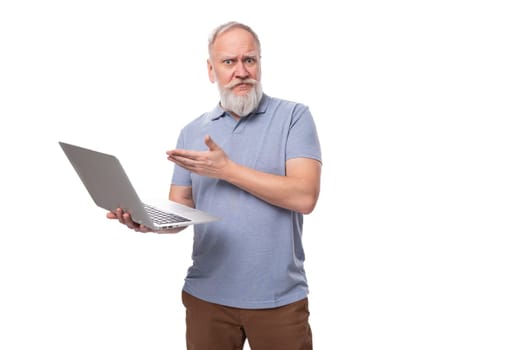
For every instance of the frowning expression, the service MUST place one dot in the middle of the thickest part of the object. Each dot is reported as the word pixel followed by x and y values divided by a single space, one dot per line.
pixel 234 61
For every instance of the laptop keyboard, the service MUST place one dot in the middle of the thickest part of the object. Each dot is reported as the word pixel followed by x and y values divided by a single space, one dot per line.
pixel 161 217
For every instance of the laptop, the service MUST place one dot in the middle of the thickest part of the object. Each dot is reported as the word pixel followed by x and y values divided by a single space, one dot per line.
pixel 110 188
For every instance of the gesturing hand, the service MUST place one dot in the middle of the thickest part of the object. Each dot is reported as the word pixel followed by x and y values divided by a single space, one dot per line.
pixel 211 163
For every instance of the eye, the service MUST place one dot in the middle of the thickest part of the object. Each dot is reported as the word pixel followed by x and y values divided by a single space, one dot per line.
pixel 228 61
pixel 250 60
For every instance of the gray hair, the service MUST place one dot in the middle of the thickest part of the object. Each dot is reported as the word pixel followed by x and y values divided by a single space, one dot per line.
pixel 223 28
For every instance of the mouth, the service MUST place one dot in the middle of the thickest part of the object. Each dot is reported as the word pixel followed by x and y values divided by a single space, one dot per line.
pixel 242 87
pixel 240 82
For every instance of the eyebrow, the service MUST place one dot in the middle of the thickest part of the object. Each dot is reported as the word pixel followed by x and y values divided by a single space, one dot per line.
pixel 237 59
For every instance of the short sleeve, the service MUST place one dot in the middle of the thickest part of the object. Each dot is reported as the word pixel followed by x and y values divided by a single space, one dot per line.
pixel 181 176
pixel 303 140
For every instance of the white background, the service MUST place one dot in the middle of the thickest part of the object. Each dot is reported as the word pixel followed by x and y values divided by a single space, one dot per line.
pixel 417 241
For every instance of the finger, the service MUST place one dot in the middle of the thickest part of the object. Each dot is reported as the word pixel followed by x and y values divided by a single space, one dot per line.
pixel 185 162
pixel 212 146
pixel 143 229
pixel 121 216
pixel 118 213
pixel 184 154
pixel 128 221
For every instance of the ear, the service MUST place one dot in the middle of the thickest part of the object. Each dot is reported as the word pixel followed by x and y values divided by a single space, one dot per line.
pixel 211 72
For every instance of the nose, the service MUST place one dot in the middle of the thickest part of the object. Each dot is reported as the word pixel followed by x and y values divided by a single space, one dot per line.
pixel 240 71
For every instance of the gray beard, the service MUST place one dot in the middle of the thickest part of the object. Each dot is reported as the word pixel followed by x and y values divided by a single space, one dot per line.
pixel 241 105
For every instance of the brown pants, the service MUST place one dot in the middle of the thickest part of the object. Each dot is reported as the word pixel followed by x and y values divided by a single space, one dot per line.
pixel 215 327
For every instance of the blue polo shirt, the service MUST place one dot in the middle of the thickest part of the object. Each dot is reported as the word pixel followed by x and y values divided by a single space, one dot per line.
pixel 253 257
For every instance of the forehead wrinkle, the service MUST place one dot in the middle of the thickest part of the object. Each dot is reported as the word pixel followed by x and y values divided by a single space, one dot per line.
pixel 225 55
pixel 235 41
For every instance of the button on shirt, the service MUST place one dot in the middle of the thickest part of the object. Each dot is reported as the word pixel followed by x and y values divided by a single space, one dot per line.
pixel 253 256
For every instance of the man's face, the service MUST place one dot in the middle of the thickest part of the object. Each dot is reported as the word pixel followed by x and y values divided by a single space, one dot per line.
pixel 234 65
pixel 234 62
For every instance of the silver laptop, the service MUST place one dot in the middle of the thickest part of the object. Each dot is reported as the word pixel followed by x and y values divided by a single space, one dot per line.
pixel 109 186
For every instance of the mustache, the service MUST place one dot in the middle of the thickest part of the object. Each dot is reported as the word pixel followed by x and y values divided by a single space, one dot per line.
pixel 236 82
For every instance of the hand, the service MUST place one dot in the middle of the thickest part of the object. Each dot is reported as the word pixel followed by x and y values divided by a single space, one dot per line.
pixel 211 163
pixel 125 219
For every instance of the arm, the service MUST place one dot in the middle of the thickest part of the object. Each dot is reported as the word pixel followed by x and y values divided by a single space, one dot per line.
pixel 298 190
pixel 182 195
